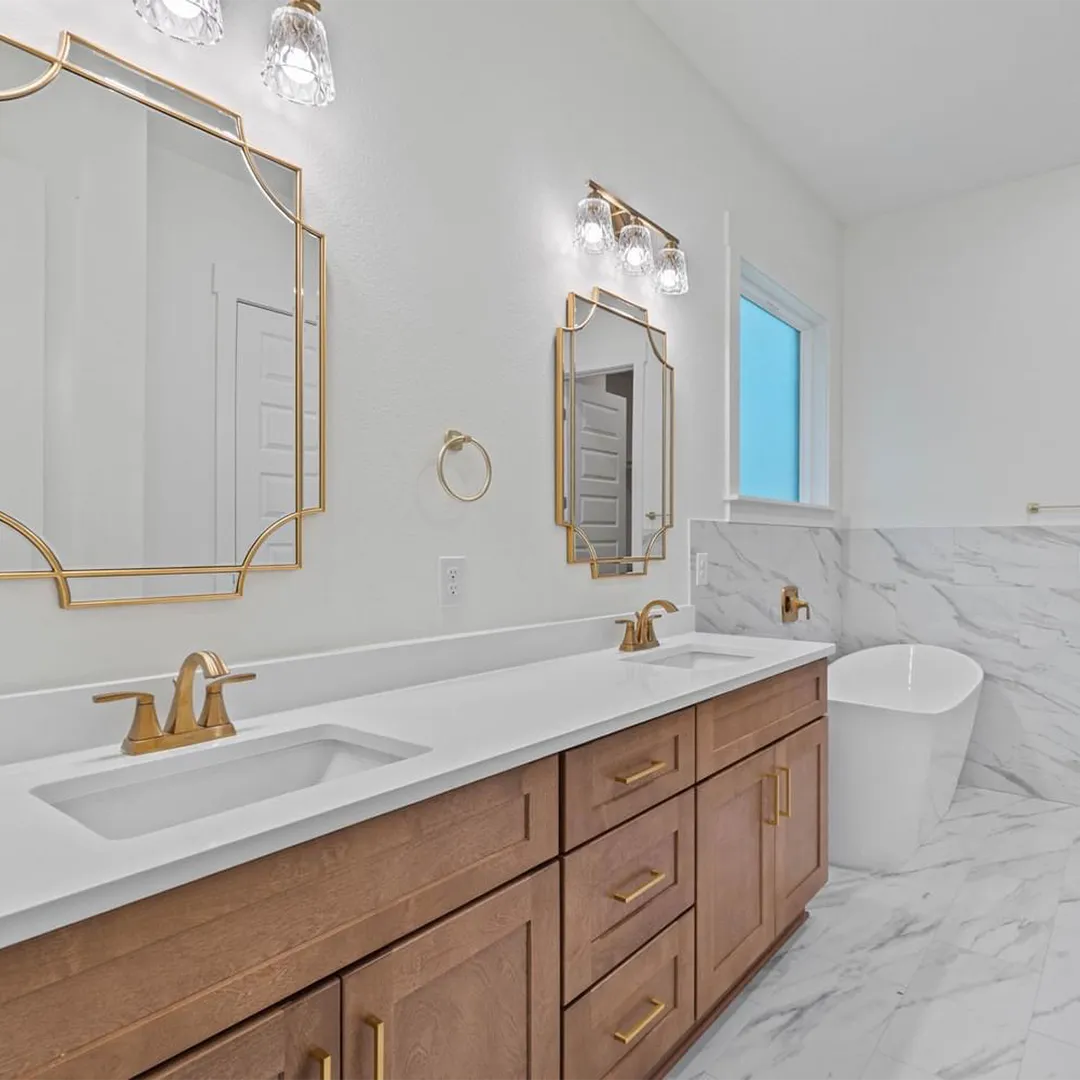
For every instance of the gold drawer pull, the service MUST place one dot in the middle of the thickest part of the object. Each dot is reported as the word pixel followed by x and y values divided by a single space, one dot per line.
pixel 627 1037
pixel 775 778
pixel 641 774
pixel 378 1029
pixel 325 1062
pixel 787 789
pixel 655 877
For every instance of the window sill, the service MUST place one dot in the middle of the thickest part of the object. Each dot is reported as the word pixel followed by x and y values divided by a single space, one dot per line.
pixel 752 510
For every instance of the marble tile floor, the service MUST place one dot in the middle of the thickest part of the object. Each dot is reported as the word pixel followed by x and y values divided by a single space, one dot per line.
pixel 965 964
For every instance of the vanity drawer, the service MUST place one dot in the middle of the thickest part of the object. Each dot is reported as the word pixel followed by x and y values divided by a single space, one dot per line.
pixel 737 724
pixel 622 888
pixel 626 1024
pixel 608 781
pixel 145 982
pixel 290 1043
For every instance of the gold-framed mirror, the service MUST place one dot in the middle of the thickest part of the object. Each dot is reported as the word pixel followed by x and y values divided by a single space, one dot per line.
pixel 614 435
pixel 162 338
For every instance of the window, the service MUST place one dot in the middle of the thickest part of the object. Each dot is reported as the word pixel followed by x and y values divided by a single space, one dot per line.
pixel 780 390
pixel 768 404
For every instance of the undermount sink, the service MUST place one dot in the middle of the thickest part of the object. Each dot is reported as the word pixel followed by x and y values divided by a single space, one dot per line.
pixel 156 794
pixel 694 658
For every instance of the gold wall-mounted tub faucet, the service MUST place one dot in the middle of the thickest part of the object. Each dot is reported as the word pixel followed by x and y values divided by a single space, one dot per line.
pixel 791 604
pixel 640 632
pixel 181 727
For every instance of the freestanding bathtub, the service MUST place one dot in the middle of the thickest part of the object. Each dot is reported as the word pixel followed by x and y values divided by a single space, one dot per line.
pixel 900 720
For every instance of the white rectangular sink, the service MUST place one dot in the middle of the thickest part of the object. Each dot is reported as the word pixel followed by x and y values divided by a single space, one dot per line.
pixel 159 792
pixel 695 658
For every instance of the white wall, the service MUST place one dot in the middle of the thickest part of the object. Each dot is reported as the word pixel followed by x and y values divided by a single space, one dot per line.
pixel 962 358
pixel 446 177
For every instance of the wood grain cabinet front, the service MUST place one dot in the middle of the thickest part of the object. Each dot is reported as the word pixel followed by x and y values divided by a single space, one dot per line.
pixel 629 1021
pixel 608 781
pixel 762 855
pixel 802 836
pixel 734 725
pixel 621 888
pixel 300 1040
pixel 476 995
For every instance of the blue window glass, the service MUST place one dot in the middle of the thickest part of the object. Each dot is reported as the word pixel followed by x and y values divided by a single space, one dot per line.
pixel 768 405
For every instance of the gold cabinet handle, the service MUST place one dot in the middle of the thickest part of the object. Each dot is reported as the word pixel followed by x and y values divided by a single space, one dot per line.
pixel 325 1062
pixel 627 1037
pixel 775 778
pixel 650 770
pixel 787 790
pixel 378 1029
pixel 655 877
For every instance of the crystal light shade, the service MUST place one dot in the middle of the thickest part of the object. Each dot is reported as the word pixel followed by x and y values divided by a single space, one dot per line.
pixel 670 273
pixel 297 64
pixel 593 231
pixel 196 21
pixel 635 249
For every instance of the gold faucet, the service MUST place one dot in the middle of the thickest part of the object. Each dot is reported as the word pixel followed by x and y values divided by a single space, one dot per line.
pixel 640 633
pixel 181 727
pixel 791 604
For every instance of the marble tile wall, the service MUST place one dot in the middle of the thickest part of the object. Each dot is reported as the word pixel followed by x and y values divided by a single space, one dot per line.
pixel 1009 597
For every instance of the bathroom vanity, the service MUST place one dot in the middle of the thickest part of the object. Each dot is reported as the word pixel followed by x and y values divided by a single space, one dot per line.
pixel 582 910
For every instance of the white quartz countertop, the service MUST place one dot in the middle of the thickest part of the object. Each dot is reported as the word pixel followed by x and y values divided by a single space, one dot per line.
pixel 56 871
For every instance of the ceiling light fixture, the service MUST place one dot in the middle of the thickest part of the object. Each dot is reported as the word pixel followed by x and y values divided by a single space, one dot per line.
pixel 603 217
pixel 297 65
pixel 197 22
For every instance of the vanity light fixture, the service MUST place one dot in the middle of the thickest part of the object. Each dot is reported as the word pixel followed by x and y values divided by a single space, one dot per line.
pixel 669 277
pixel 297 65
pixel 593 231
pixel 198 22
pixel 635 255
pixel 604 222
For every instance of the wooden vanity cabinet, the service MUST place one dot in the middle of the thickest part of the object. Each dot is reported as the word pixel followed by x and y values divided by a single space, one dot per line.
pixel 762 854
pixel 300 1040
pixel 476 995
pixel 582 915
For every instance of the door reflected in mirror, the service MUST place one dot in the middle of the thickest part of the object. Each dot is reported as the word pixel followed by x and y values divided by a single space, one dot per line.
pixel 613 435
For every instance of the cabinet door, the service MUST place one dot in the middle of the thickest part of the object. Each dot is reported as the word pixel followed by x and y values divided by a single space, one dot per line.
pixel 297 1041
pixel 476 995
pixel 802 837
pixel 736 843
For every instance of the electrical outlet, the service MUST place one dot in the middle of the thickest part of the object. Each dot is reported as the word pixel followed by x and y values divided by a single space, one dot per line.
pixel 452 580
pixel 701 568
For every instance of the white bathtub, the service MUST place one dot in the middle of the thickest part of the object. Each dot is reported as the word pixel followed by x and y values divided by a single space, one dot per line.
pixel 900 720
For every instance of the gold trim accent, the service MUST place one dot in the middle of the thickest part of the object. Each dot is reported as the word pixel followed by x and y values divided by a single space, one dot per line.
pixel 775 778
pixel 57 573
pixel 787 789
pixel 655 877
pixel 624 209
pixel 629 1036
pixel 455 441
pixel 651 769
pixel 324 1061
pixel 565 491
pixel 378 1031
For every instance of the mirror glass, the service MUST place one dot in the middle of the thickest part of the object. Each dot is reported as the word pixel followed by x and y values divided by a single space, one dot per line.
pixel 149 333
pixel 616 432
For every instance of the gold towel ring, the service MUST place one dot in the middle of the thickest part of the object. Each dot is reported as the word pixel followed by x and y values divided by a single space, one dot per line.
pixel 456 441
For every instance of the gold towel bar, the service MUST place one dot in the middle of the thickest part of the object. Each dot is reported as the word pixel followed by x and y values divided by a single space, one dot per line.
pixel 1038 508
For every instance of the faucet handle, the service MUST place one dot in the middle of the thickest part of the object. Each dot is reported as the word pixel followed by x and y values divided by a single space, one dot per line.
pixel 145 730
pixel 214 715
pixel 650 633
pixel 629 639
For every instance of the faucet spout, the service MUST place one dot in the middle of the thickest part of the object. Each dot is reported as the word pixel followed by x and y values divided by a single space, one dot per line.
pixel 182 713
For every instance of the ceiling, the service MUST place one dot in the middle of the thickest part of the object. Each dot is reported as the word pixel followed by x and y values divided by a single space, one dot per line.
pixel 882 104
